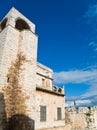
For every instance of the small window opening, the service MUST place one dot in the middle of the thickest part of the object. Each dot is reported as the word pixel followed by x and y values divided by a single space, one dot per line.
pixel 3 24
pixel 21 25
pixel 8 80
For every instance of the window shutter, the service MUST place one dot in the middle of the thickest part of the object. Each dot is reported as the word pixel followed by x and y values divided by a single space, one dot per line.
pixel 42 113
pixel 59 113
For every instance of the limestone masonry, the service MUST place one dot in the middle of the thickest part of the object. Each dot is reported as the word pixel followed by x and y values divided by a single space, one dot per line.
pixel 28 99
pixel 82 118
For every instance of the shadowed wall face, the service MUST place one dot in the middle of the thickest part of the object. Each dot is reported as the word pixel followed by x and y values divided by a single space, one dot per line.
pixel 16 122
pixel 3 121
pixel 21 122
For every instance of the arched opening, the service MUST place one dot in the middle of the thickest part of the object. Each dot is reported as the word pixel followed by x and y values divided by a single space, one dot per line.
pixel 3 24
pixel 21 25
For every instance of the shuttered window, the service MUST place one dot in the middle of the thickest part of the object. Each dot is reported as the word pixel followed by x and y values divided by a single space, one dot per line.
pixel 42 113
pixel 59 113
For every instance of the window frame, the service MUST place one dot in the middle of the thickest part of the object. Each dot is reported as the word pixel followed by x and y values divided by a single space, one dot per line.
pixel 59 113
pixel 43 113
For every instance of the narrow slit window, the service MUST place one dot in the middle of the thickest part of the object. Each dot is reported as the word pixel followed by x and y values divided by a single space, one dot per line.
pixel 8 80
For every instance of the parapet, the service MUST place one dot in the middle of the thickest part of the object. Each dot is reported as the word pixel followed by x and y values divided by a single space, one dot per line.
pixel 58 89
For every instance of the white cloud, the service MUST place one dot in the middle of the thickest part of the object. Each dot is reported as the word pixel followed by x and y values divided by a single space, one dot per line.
pixel 83 102
pixel 90 17
pixel 93 44
pixel 91 92
pixel 79 103
pixel 72 98
pixel 92 12
pixel 75 76
pixel 69 103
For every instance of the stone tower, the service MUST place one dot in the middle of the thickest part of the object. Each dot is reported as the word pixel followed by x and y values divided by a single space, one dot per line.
pixel 18 60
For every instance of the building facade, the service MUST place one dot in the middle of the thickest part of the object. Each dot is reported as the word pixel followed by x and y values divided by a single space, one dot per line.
pixel 28 99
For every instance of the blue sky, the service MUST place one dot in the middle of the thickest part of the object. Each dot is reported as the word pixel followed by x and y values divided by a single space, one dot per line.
pixel 67 31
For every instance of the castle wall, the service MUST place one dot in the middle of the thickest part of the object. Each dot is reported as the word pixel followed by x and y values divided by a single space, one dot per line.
pixel 8 49
pixel 67 127
pixel 8 53
pixel 83 118
pixel 51 101
pixel 28 72
pixel 18 74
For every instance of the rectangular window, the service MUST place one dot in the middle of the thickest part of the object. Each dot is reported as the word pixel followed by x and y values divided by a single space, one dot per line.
pixel 59 113
pixel 42 113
